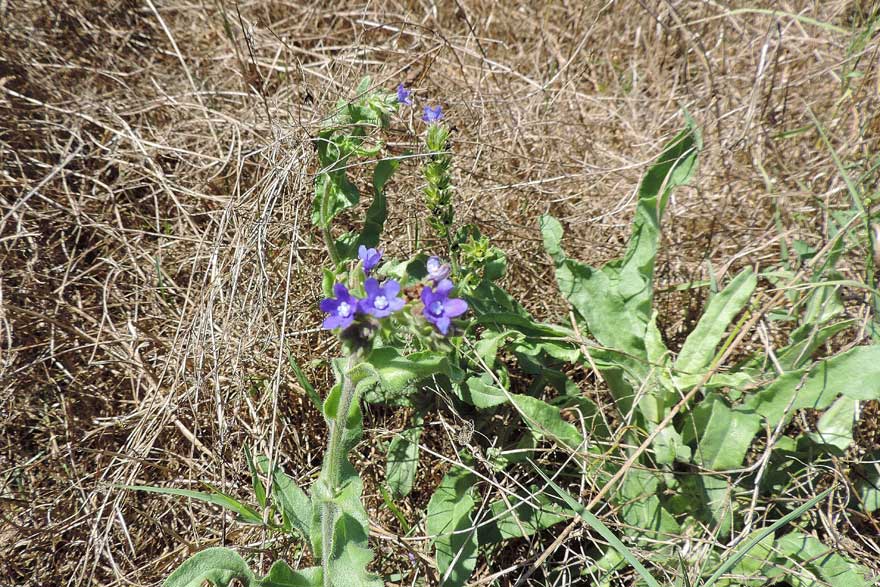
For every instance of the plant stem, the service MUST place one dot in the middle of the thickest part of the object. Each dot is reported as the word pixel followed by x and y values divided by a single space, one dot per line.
pixel 325 224
pixel 333 462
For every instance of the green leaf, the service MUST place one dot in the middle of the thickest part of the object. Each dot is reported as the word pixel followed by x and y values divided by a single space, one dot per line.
pixel 855 374
pixel 826 566
pixel 403 458
pixel 449 523
pixel 301 377
pixel 348 563
pixel 545 420
pixel 596 524
pixel 835 427
pixel 217 566
pixel 247 514
pixel 281 575
pixel 795 355
pixel 394 376
pixel 378 210
pixel 723 435
pixel 641 508
pixel 699 348
pixel 296 508
pixel 259 490
pixel 483 392
pixel 520 517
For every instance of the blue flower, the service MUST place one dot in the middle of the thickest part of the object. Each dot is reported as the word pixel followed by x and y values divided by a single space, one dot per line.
pixel 404 96
pixel 437 270
pixel 370 257
pixel 432 115
pixel 342 309
pixel 381 300
pixel 439 307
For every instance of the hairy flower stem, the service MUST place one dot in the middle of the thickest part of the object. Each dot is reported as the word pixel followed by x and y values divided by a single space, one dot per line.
pixel 333 462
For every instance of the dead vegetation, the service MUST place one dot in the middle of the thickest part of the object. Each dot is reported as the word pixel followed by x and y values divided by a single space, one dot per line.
pixel 158 268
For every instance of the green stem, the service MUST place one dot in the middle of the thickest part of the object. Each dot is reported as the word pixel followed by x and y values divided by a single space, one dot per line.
pixel 325 224
pixel 334 458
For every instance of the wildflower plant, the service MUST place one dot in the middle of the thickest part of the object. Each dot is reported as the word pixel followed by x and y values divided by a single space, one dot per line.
pixel 441 320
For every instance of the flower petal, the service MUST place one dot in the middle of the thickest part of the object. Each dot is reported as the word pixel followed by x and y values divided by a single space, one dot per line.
pixel 340 291
pixel 455 307
pixel 443 324
pixel 371 286
pixel 391 288
pixel 329 305
pixel 443 288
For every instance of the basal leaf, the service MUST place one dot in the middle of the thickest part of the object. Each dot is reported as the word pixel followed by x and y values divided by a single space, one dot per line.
pixel 699 348
pixel 545 420
pixel 449 523
pixel 723 435
pixel 826 566
pixel 216 566
pixel 854 373
pixel 835 426
pixel 483 392
pixel 519 517
pixel 403 458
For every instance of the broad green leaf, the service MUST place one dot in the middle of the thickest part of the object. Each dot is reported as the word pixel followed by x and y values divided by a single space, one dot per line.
pixel 245 513
pixel 216 566
pixel 483 392
pixel 449 524
pixel 545 420
pixel 487 347
pixel 520 517
pixel 281 575
pixel 378 210
pixel 855 374
pixel 641 508
pixel 835 426
pixel 394 376
pixel 296 508
pixel 403 458
pixel 699 348
pixel 348 563
pixel 723 435
pixel 826 566
pixel 596 524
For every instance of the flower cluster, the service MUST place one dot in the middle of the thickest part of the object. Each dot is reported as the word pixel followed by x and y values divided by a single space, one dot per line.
pixel 432 114
pixel 382 299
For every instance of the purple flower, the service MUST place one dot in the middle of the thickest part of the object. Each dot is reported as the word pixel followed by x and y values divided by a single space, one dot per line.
pixel 342 309
pixel 439 308
pixel 404 96
pixel 437 269
pixel 381 300
pixel 370 257
pixel 432 115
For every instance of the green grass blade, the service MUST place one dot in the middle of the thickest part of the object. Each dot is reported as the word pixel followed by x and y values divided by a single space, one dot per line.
pixel 246 513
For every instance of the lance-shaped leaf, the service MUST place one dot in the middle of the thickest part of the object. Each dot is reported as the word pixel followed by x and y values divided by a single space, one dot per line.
pixel 403 457
pixel 296 508
pixel 281 575
pixel 723 435
pixel 378 210
pixel 348 563
pixel 392 376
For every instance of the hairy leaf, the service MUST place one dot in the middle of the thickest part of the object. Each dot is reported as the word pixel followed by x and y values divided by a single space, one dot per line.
pixel 217 566
pixel 403 458
pixel 281 575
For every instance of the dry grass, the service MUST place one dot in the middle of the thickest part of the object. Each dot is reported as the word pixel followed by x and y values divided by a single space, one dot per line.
pixel 158 265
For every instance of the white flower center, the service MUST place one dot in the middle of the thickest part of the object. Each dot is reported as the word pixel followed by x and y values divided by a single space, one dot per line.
pixel 380 303
pixel 344 310
pixel 436 308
